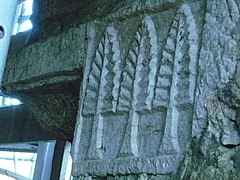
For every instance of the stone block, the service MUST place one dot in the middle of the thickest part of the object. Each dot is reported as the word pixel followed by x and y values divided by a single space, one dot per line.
pixel 137 96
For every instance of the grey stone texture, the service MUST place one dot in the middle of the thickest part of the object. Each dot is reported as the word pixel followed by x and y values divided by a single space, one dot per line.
pixel 195 48
pixel 47 76
pixel 159 86
pixel 137 94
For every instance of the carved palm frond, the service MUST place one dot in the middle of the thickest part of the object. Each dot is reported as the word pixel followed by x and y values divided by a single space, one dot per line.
pixel 128 76
pixel 103 63
pixel 147 66
pixel 94 81
pixel 177 76
pixel 112 72
pixel 135 93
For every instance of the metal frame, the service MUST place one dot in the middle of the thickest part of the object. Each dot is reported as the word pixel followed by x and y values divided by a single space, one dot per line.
pixel 52 160
pixel 51 163
pixel 43 165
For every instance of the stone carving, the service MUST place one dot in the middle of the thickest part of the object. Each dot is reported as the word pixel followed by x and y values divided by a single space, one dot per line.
pixel 136 91
pixel 177 76
pixel 102 88
pixel 131 107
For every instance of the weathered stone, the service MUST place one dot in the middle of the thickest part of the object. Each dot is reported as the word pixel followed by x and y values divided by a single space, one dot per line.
pixel 236 159
pixel 55 16
pixel 230 135
pixel 154 71
pixel 230 95
pixel 238 75
pixel 55 107
pixel 229 113
pixel 47 76
pixel 137 96
pixel 59 58
pixel 218 55
pixel 207 144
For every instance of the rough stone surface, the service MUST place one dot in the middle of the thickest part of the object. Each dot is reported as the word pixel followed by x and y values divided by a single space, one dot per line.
pixel 238 75
pixel 138 92
pixel 46 76
pixel 55 107
pixel 98 150
pixel 160 95
pixel 55 16
pixel 59 58
pixel 230 136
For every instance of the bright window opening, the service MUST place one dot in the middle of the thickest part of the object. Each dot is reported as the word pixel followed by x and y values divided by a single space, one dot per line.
pixel 7 101
pixel 17 165
pixel 24 13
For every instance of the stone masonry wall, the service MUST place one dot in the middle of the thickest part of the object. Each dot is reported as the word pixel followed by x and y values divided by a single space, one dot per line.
pixel 160 91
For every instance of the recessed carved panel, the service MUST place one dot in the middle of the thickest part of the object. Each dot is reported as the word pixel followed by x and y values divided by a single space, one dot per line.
pixel 134 100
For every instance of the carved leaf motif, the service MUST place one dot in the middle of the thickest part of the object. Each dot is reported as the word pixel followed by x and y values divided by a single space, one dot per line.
pixel 164 80
pixel 134 93
pixel 147 66
pixel 127 85
pixel 94 81
pixel 140 69
pixel 177 79
pixel 127 99
pixel 112 72
pixel 105 56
